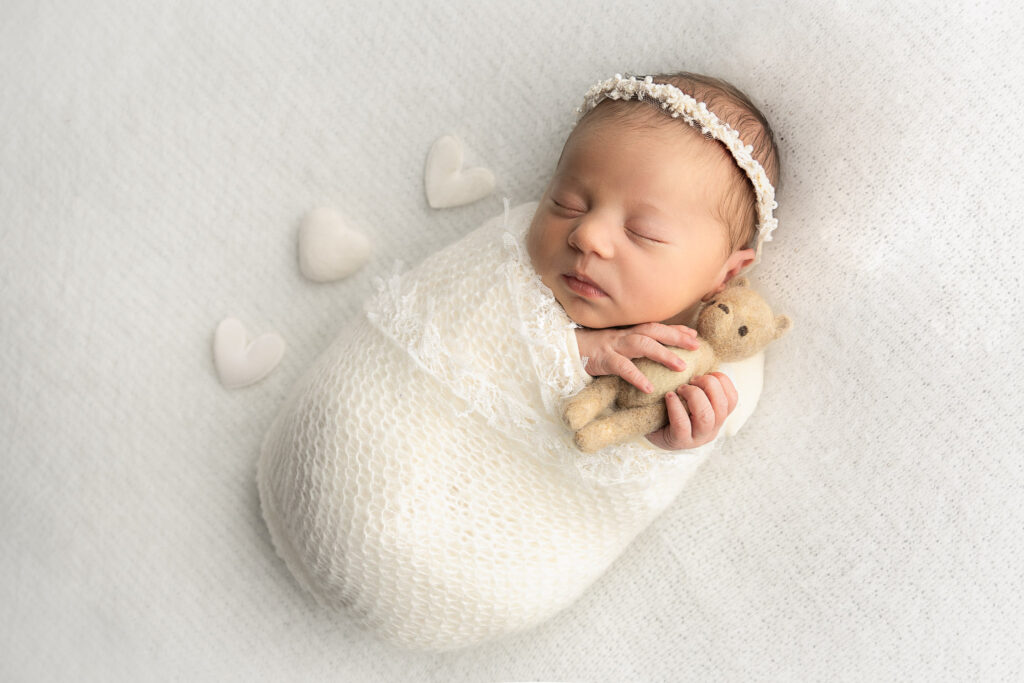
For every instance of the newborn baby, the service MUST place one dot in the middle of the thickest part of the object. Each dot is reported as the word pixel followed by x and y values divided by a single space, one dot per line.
pixel 419 474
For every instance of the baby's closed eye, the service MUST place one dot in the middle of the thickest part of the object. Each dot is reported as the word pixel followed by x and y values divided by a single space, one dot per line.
pixel 644 234
pixel 568 206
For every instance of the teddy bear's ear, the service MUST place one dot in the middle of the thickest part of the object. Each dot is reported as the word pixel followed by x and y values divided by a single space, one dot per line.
pixel 738 282
pixel 782 324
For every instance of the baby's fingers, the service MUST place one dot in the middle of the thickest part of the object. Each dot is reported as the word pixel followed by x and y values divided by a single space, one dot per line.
pixel 624 368
pixel 678 431
pixel 670 335
pixel 703 416
pixel 731 395
pixel 642 346
pixel 720 394
pixel 696 412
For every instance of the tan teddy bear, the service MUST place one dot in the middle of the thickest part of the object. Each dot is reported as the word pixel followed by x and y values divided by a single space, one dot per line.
pixel 735 325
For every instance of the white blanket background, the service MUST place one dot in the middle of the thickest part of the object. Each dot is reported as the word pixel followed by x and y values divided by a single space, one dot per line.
pixel 155 162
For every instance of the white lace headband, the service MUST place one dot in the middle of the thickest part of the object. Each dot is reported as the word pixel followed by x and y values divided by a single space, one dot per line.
pixel 677 103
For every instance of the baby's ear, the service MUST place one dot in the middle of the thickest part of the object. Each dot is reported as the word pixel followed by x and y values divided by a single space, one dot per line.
pixel 782 324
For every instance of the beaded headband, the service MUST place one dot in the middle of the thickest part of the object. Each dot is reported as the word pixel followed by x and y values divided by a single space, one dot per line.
pixel 680 105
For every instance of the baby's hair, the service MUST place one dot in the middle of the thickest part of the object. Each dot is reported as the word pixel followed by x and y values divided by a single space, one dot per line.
pixel 738 209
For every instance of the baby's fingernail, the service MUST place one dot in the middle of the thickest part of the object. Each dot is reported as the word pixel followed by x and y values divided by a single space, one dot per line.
pixel 648 387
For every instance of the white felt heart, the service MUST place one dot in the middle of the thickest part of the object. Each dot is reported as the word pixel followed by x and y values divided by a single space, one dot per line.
pixel 240 363
pixel 447 184
pixel 328 248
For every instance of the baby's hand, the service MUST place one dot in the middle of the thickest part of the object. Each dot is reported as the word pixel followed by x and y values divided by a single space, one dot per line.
pixel 709 400
pixel 610 351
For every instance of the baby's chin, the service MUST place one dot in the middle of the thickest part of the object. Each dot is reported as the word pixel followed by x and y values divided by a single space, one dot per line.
pixel 587 315
pixel 584 314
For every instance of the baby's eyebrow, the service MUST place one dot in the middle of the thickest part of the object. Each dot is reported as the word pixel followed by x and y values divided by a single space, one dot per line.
pixel 571 179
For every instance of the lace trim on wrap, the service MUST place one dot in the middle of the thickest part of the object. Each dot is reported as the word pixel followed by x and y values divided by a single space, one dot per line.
pixel 394 314
pixel 406 315
pixel 542 325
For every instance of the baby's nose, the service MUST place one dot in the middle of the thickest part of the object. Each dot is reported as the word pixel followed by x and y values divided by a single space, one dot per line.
pixel 592 235
pixel 724 307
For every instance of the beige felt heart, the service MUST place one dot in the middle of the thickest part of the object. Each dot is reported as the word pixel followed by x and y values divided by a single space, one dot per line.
pixel 446 182
pixel 328 248
pixel 240 363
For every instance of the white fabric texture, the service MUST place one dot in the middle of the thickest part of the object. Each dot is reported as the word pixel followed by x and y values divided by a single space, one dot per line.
pixel 419 474
pixel 157 159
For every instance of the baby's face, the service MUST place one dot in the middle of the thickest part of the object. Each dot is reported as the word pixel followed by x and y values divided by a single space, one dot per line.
pixel 627 231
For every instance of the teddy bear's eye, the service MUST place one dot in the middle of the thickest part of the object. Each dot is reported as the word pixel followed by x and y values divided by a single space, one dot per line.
pixel 743 330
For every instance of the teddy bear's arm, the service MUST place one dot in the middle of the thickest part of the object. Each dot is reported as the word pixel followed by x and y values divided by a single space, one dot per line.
pixel 621 426
pixel 595 397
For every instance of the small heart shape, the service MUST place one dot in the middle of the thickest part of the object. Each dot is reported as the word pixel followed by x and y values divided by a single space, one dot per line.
pixel 328 248
pixel 447 184
pixel 239 363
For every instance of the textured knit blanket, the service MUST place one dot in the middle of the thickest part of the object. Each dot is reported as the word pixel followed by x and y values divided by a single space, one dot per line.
pixel 420 475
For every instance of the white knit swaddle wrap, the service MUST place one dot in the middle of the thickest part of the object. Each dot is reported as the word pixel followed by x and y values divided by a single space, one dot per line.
pixel 419 475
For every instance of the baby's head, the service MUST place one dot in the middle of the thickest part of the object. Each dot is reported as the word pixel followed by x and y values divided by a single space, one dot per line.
pixel 645 214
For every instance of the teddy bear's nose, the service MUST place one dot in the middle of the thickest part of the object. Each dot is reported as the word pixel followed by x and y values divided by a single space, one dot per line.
pixel 724 307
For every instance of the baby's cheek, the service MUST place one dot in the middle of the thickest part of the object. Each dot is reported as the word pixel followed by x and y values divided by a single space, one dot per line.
pixel 551 281
pixel 660 297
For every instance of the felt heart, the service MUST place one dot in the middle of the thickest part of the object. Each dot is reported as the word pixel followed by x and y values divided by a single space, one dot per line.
pixel 328 248
pixel 240 364
pixel 446 183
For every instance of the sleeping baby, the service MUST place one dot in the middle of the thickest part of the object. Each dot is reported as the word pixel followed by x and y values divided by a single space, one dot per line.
pixel 420 475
